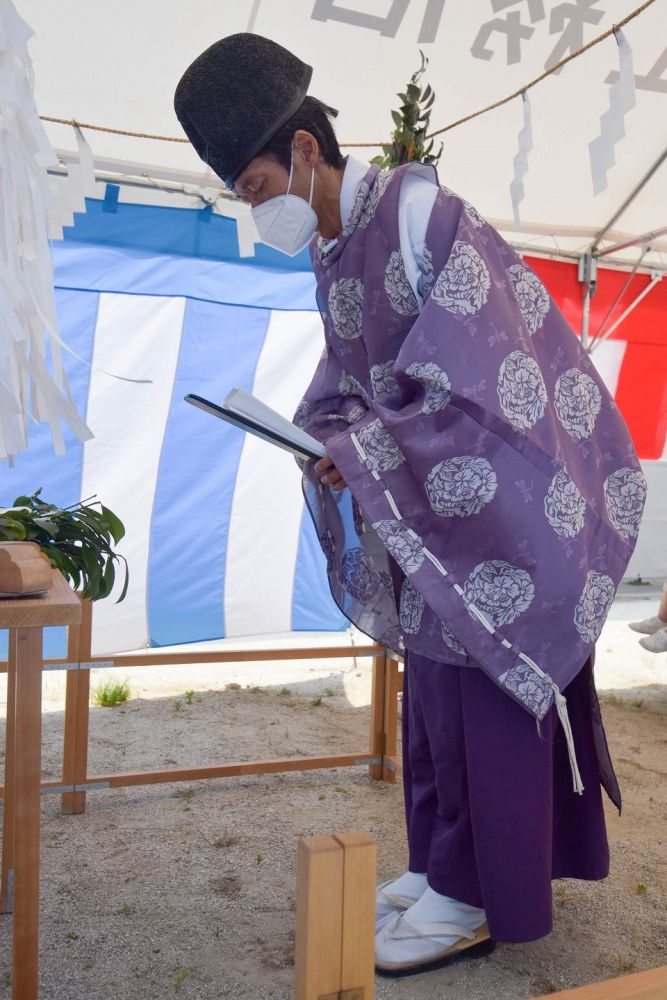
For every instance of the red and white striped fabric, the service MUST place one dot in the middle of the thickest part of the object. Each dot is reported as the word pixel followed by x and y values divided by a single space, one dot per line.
pixel 633 361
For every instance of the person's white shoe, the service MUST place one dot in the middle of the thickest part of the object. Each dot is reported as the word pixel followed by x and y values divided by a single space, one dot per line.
pixel 403 948
pixel 656 643
pixel 396 896
pixel 648 626
pixel 435 930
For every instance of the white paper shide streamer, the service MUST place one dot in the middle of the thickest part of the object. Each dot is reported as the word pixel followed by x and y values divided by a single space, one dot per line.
pixel 521 159
pixel 612 123
pixel 33 384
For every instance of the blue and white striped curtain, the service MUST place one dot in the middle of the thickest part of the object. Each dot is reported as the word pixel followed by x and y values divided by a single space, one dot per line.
pixel 218 541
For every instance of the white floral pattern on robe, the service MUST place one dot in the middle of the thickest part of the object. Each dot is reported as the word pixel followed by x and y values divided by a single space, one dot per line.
pixel 521 390
pixel 461 486
pixel 499 590
pixel 564 506
pixel 382 378
pixel 450 640
pixel 436 385
pixel 398 288
pixel 625 496
pixel 534 691
pixel 531 295
pixel 594 604
pixel 411 608
pixel 382 452
pixel 346 298
pixel 577 403
pixel 462 287
pixel 402 544
pixel 360 576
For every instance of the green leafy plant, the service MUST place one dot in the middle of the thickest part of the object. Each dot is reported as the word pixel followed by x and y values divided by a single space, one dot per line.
pixel 106 694
pixel 77 540
pixel 409 141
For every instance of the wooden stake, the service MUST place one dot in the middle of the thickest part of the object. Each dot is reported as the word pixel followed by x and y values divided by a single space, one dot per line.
pixel 358 950
pixel 319 918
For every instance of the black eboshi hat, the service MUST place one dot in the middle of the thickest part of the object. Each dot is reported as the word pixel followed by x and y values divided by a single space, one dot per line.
pixel 235 96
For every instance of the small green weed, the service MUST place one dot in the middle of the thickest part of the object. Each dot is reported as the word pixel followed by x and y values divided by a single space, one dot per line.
pixel 329 692
pixel 316 702
pixel 641 889
pixel 71 936
pixel 339 788
pixel 106 694
pixel 259 858
pixel 254 689
pixel 637 703
pixel 178 705
pixel 189 695
pixel 127 909
pixel 284 693
pixel 185 793
pixel 561 896
pixel 180 978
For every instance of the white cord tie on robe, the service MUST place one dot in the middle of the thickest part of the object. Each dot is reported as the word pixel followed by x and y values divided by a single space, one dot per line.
pixel 561 703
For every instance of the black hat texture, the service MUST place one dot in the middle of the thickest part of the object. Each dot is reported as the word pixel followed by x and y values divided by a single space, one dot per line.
pixel 235 96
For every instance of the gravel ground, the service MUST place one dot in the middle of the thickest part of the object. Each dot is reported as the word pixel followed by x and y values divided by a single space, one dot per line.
pixel 187 890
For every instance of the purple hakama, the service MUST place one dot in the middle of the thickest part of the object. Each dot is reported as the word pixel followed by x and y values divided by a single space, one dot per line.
pixel 490 812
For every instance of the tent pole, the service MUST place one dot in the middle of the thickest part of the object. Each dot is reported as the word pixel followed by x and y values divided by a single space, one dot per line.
pixel 587 276
pixel 631 197
pixel 619 296
pixel 655 279
pixel 646 239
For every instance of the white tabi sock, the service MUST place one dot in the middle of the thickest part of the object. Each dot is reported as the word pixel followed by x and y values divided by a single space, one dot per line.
pixel 410 884
pixel 394 897
pixel 432 908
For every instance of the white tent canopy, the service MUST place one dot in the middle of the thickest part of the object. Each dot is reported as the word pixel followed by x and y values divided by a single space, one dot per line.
pixel 170 298
pixel 118 67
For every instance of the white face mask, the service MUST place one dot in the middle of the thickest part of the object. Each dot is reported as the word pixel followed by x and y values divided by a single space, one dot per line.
pixel 287 222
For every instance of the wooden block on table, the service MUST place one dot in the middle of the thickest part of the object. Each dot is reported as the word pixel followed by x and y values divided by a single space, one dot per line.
pixel 24 569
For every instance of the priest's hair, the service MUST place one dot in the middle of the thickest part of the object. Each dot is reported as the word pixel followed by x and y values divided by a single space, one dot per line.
pixel 313 116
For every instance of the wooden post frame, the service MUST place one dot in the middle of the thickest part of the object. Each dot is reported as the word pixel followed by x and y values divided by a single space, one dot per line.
pixel 648 985
pixel 7 864
pixel 335 918
pixel 25 620
pixel 76 780
pixel 77 711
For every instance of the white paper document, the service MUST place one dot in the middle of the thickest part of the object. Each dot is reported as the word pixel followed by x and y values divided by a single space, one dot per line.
pixel 243 410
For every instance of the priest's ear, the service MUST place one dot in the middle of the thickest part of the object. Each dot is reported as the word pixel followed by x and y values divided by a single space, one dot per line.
pixel 307 145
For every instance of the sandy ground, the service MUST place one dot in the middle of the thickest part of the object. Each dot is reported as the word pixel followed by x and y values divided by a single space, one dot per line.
pixel 188 890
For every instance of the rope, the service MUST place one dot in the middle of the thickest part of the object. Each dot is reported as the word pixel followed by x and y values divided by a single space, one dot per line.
pixel 538 79
pixel 114 131
pixel 371 144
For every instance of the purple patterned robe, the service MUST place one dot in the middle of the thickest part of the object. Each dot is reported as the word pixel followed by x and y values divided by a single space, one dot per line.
pixel 482 451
